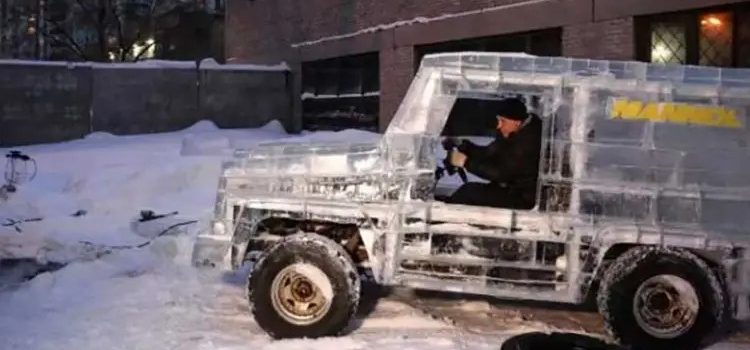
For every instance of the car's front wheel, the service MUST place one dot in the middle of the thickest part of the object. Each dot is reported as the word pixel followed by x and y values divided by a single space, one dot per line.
pixel 304 286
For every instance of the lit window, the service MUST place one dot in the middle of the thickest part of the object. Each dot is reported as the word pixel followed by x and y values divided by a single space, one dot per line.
pixel 702 37
pixel 716 39
pixel 668 44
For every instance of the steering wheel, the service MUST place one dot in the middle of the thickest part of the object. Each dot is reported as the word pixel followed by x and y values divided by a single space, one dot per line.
pixel 452 170
pixel 450 145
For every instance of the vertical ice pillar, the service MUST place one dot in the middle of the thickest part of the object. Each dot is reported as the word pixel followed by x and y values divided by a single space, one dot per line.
pixel 581 111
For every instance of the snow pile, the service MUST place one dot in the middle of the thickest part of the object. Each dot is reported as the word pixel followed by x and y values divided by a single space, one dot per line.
pixel 99 135
pixel 111 179
pixel 202 126
pixel 202 139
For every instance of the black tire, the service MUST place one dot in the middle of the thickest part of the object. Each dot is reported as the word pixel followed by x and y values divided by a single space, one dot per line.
pixel 324 254
pixel 621 283
pixel 556 341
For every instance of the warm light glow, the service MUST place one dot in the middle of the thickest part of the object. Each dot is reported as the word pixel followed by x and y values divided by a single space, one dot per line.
pixel 150 41
pixel 712 21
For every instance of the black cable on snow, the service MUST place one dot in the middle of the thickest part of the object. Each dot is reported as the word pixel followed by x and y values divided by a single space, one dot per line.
pixel 145 216
pixel 144 244
pixel 15 223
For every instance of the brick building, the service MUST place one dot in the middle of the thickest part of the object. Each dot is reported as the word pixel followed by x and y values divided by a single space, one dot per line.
pixel 356 58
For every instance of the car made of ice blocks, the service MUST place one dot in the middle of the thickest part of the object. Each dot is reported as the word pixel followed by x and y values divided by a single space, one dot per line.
pixel 642 203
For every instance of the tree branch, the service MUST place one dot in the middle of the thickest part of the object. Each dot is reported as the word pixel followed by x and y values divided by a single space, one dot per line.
pixel 120 34
pixel 67 45
pixel 89 12
pixel 69 41
pixel 84 7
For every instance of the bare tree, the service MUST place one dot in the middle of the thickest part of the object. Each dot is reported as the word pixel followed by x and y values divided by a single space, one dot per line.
pixel 106 30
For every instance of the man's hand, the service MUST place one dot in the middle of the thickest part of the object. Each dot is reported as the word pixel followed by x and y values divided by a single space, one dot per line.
pixel 458 159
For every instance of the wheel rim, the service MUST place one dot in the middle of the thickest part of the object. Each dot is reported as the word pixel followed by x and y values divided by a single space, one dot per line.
pixel 301 294
pixel 666 306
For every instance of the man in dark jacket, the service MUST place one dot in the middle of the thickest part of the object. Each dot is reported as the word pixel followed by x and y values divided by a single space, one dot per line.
pixel 510 163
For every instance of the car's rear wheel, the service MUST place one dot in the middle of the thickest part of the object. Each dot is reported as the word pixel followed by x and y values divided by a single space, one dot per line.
pixel 654 297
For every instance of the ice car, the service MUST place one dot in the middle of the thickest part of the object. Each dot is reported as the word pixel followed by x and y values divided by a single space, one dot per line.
pixel 643 203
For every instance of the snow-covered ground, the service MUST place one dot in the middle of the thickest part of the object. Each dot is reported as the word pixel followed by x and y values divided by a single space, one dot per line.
pixel 152 298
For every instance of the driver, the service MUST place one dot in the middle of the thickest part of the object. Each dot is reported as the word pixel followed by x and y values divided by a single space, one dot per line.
pixel 510 163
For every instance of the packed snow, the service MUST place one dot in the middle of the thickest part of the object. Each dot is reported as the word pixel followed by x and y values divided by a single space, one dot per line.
pixel 152 298
pixel 86 202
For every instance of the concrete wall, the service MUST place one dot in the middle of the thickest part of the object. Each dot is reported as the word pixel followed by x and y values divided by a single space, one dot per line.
pixel 234 99
pixel 51 102
pixel 135 101
pixel 43 103
pixel 300 31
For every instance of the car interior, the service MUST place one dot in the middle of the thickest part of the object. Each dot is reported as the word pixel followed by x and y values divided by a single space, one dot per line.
pixel 467 121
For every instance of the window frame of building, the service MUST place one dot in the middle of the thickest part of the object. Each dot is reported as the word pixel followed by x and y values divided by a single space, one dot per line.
pixel 694 24
pixel 341 92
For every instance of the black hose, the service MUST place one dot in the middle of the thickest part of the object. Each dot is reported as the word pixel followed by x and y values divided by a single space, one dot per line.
pixel 138 246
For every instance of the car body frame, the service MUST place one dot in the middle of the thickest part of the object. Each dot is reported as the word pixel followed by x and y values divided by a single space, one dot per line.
pixel 633 154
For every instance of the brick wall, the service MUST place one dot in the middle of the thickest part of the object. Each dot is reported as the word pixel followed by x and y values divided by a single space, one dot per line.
pixel 265 31
pixel 397 70
pixel 612 39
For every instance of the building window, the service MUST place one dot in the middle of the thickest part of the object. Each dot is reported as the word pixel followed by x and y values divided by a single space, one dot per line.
pixel 715 43
pixel 668 43
pixel 341 93
pixel 543 43
pixel 715 37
